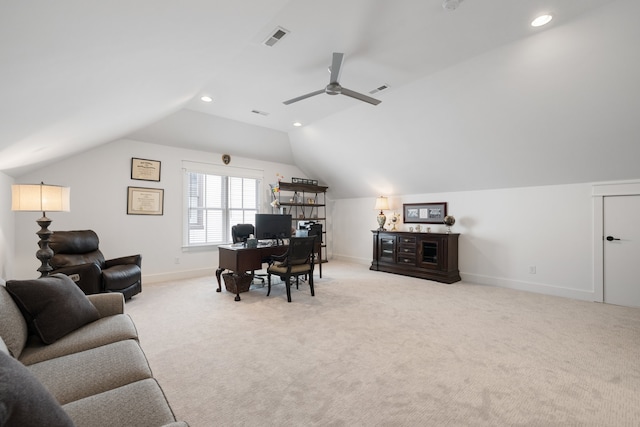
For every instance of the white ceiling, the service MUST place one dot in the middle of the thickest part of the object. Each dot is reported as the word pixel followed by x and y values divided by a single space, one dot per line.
pixel 477 98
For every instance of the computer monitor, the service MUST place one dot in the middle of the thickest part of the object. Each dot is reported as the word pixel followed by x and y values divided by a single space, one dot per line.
pixel 273 226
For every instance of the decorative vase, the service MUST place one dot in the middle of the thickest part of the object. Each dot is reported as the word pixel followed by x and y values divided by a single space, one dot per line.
pixel 449 220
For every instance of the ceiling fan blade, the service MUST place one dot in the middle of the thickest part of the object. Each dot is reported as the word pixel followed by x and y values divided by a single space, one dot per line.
pixel 335 67
pixel 300 98
pixel 360 96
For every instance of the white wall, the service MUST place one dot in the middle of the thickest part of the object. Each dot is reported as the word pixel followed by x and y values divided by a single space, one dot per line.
pixel 502 234
pixel 99 179
pixel 7 225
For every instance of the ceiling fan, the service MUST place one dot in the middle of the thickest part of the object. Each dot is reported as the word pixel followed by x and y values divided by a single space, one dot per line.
pixel 334 88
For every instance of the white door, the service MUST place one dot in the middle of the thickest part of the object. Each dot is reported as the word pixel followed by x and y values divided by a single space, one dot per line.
pixel 622 250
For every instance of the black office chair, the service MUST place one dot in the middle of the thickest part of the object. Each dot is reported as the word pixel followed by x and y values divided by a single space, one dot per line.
pixel 298 261
pixel 240 233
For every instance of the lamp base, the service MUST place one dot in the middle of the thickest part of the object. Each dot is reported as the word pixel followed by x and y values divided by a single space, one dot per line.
pixel 45 253
pixel 381 220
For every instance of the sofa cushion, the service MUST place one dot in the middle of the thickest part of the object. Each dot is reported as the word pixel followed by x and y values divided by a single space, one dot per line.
pixel 24 402
pixel 13 327
pixel 53 306
pixel 95 334
pixel 94 371
pixel 140 404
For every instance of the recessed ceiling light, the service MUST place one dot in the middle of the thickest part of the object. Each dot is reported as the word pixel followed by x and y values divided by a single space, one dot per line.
pixel 297 124
pixel 541 20
pixel 206 98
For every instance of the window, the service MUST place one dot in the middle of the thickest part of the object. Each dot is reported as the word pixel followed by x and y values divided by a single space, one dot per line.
pixel 215 200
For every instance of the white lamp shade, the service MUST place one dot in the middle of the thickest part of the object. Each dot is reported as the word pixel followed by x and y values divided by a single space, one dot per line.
pixel 382 203
pixel 40 198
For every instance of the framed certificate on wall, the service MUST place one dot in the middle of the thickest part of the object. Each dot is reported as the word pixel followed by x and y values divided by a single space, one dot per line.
pixel 145 170
pixel 145 201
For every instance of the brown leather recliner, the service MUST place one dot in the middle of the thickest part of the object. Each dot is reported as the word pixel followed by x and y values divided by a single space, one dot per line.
pixel 76 254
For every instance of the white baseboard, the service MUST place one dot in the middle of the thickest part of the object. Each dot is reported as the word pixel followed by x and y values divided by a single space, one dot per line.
pixel 355 260
pixel 538 288
pixel 177 275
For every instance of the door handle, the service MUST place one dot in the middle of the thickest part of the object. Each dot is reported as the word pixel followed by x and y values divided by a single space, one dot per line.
pixel 611 238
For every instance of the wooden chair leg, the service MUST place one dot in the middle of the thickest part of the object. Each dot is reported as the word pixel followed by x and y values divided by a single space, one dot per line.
pixel 269 281
pixel 313 294
pixel 288 285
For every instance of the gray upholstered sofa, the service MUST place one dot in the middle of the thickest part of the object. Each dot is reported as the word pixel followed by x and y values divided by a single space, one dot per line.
pixel 92 375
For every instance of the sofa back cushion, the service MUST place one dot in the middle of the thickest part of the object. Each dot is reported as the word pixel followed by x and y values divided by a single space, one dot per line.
pixel 53 306
pixel 13 326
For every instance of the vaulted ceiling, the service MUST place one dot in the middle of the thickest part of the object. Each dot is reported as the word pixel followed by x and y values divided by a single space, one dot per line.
pixel 476 97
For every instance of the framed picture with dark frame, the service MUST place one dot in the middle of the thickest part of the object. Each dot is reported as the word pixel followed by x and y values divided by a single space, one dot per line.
pixel 145 169
pixel 424 213
pixel 145 201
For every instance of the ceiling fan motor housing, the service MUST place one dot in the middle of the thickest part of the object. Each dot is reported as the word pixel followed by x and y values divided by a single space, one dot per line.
pixel 333 89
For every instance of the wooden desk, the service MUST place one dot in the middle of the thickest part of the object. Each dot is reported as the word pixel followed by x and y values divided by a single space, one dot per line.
pixel 240 259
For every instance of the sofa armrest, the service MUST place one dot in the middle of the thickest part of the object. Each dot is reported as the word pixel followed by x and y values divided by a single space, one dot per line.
pixel 108 304
pixel 88 277
pixel 131 259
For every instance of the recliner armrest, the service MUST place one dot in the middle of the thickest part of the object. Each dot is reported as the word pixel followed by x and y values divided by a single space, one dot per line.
pixel 108 304
pixel 131 259
pixel 88 277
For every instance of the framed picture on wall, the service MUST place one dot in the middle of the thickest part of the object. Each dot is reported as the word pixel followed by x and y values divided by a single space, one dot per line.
pixel 145 169
pixel 145 201
pixel 424 213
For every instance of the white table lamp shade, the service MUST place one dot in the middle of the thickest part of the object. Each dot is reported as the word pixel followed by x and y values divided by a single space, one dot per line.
pixel 40 198
pixel 382 203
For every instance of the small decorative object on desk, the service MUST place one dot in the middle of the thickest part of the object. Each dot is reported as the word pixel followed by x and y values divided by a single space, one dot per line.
pixel 418 228
pixel 449 220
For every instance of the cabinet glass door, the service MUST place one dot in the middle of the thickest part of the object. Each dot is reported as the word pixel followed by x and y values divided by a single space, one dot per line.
pixel 387 249
pixel 429 253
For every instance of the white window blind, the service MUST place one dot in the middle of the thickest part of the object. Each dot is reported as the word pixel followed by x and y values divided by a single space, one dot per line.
pixel 216 198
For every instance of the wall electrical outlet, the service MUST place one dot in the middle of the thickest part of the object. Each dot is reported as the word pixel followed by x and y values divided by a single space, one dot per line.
pixel 74 277
pixel 532 269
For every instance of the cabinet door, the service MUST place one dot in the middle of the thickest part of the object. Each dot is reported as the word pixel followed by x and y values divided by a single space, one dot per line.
pixel 431 252
pixel 387 248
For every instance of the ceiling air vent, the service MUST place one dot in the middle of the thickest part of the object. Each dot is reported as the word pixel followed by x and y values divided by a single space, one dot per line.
pixel 379 89
pixel 262 113
pixel 276 36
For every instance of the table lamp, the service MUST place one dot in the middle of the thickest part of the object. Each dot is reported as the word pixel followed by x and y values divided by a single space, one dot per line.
pixel 381 203
pixel 41 198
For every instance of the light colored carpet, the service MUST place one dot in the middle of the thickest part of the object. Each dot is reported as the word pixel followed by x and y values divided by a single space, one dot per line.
pixel 377 349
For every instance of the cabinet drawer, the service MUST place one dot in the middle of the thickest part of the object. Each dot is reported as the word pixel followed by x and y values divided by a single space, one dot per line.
pixel 407 240
pixel 406 259
pixel 407 250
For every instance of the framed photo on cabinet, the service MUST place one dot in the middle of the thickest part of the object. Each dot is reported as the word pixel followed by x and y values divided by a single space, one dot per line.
pixel 424 213
pixel 145 201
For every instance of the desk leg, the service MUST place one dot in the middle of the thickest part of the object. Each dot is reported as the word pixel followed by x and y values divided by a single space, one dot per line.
pixel 218 274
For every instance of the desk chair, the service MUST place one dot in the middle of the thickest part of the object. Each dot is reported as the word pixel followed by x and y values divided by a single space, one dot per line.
pixel 298 261
pixel 240 233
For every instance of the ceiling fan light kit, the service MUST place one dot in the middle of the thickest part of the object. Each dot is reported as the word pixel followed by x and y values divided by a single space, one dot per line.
pixel 451 4
pixel 334 87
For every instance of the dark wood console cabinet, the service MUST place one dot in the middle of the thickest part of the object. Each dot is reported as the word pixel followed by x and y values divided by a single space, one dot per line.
pixel 432 256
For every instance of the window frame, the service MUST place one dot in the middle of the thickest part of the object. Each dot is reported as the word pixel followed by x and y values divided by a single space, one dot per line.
pixel 225 172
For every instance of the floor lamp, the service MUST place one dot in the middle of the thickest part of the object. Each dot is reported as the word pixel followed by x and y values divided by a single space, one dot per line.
pixel 41 198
